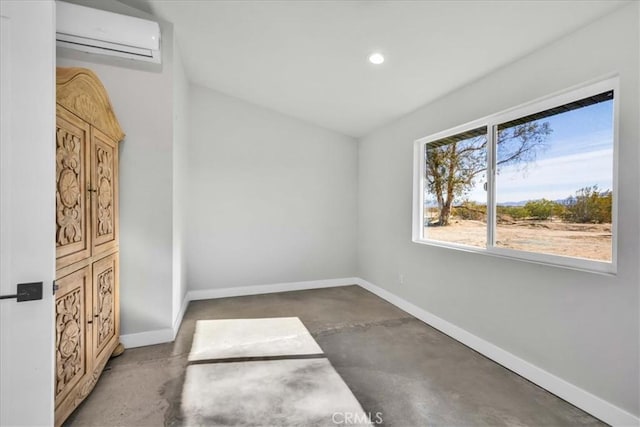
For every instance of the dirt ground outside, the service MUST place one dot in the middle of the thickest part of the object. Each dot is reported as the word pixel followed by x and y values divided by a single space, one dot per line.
pixel 591 241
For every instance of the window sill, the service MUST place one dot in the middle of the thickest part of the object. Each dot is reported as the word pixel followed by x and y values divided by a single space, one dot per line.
pixel 577 264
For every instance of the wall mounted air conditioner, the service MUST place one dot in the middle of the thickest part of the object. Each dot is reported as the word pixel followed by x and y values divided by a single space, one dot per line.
pixel 107 33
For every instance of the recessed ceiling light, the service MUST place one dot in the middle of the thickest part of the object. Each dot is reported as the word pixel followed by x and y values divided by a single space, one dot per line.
pixel 376 58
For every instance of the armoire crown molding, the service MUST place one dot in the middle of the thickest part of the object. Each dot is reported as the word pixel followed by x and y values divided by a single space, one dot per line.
pixel 80 90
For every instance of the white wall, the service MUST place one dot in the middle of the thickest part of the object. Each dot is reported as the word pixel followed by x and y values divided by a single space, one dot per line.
pixel 27 212
pixel 142 98
pixel 579 326
pixel 180 143
pixel 271 199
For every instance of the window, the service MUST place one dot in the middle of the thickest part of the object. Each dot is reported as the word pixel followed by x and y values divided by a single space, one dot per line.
pixel 535 183
pixel 455 172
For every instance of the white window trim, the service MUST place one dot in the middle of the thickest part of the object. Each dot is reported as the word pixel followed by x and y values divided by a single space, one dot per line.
pixel 541 104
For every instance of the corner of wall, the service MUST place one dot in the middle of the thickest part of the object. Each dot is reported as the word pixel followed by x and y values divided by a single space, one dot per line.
pixel 180 93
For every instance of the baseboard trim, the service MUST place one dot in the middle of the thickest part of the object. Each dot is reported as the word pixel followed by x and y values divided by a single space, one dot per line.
pixel 584 400
pixel 160 336
pixel 268 289
pixel 141 339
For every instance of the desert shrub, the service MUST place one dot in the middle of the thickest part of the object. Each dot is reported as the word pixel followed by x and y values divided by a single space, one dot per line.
pixel 540 209
pixel 559 210
pixel 469 210
pixel 515 212
pixel 590 206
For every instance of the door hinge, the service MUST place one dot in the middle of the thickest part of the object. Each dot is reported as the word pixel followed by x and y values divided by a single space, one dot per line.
pixel 55 287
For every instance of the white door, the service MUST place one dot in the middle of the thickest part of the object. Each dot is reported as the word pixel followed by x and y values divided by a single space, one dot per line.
pixel 27 209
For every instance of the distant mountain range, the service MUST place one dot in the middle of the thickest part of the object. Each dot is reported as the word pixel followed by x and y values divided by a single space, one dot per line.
pixel 565 201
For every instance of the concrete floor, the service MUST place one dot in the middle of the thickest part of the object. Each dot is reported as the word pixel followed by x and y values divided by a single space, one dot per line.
pixel 394 364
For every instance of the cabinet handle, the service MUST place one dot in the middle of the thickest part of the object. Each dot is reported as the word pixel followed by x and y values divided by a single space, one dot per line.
pixel 89 321
pixel 91 190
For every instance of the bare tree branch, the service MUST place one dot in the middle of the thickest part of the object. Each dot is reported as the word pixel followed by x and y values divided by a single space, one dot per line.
pixel 452 169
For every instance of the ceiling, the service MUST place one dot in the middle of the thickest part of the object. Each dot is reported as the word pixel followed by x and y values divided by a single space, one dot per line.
pixel 308 59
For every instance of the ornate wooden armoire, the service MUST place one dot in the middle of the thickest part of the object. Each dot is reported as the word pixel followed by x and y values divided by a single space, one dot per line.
pixel 87 299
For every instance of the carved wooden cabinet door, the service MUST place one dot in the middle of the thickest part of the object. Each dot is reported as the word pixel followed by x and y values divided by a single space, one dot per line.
pixel 105 299
pixel 104 192
pixel 73 236
pixel 87 301
pixel 73 346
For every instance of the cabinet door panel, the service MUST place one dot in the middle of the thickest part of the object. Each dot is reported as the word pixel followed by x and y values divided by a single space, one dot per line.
pixel 73 338
pixel 104 192
pixel 105 318
pixel 73 236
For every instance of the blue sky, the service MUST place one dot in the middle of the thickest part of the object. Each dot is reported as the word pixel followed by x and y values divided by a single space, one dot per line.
pixel 578 153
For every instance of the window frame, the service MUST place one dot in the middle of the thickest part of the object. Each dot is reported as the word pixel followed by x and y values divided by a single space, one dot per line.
pixel 491 122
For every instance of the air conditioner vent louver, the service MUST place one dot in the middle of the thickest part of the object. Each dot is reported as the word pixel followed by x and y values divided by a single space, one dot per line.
pixel 96 31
